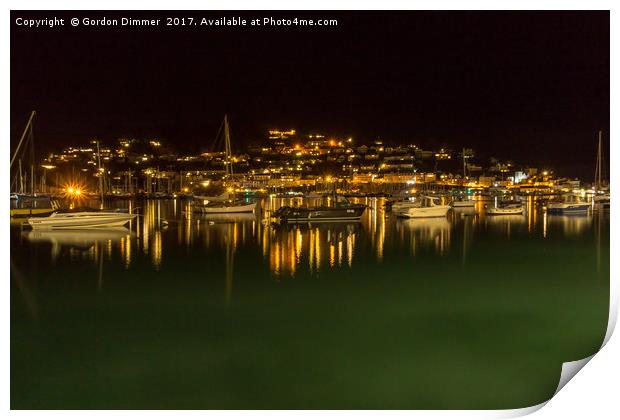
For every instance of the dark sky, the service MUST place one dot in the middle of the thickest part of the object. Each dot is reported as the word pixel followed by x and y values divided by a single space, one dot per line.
pixel 523 85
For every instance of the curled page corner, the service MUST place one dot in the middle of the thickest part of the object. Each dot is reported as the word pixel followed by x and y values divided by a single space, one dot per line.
pixel 520 412
pixel 613 311
pixel 570 369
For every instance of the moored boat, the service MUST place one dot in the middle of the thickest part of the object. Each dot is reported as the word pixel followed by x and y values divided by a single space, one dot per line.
pixel 570 204
pixel 223 207
pixel 462 203
pixel 427 207
pixel 80 220
pixel 505 208
pixel 342 210
pixel 225 202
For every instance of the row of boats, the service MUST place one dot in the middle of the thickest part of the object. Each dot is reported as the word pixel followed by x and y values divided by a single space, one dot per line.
pixel 340 209
pixel 427 206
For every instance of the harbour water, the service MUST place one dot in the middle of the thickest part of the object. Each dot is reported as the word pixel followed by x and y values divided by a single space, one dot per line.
pixel 194 312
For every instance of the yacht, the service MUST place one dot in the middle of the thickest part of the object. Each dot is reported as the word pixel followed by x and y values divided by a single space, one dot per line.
pixel 226 202
pixel 462 203
pixel 228 206
pixel 342 210
pixel 570 204
pixel 601 187
pixel 509 207
pixel 427 207
pixel 80 220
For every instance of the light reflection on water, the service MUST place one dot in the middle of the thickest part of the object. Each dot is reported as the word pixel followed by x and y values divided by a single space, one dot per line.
pixel 167 224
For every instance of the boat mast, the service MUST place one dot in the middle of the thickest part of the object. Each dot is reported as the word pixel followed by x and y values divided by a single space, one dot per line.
pixel 21 140
pixel 228 149
pixel 599 165
pixel 600 157
pixel 21 178
pixel 31 141
pixel 100 173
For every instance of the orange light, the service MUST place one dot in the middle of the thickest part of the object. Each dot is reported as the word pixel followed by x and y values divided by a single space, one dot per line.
pixel 74 190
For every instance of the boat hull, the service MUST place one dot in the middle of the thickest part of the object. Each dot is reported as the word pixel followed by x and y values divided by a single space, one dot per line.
pixel 568 208
pixel 80 221
pixel 463 204
pixel 246 208
pixel 500 211
pixel 423 212
pixel 322 214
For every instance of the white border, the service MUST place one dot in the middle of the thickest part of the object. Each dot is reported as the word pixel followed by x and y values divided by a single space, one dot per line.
pixel 593 395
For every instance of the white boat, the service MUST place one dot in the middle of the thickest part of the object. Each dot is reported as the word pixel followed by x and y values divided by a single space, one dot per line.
pixel 226 207
pixel 80 220
pixel 504 209
pixel 461 203
pixel 570 204
pixel 427 207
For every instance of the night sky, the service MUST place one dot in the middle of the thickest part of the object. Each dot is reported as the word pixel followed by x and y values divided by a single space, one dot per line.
pixel 531 86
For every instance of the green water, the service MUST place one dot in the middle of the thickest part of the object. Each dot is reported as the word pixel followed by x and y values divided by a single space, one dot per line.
pixel 466 312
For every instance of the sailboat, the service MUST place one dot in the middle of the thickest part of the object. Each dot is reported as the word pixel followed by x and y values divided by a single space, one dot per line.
pixel 460 202
pixel 25 199
pixel 220 204
pixel 601 192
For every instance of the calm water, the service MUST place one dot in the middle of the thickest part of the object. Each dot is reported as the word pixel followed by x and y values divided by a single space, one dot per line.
pixel 183 311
